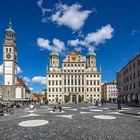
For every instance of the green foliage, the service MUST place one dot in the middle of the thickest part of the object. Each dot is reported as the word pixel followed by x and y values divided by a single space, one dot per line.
pixel 67 98
pixel 81 98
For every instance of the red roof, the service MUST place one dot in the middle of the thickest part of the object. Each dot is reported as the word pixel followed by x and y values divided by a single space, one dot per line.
pixel 21 83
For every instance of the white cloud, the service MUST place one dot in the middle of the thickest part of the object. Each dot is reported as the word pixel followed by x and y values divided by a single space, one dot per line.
pixel 19 70
pixel 73 42
pixel 26 79
pixel 39 79
pixel 100 36
pixel 57 44
pixel 31 88
pixel 70 16
pixel 44 10
pixel 44 43
pixel 95 38
pixel 133 32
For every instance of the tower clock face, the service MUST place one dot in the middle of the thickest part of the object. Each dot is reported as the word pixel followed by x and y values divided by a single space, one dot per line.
pixel 8 56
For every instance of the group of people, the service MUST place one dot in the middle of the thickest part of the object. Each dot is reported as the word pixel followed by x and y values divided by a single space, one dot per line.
pixel 7 108
pixel 103 101
pixel 57 107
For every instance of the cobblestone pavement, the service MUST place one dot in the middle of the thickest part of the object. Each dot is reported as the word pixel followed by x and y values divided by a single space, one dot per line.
pixel 75 122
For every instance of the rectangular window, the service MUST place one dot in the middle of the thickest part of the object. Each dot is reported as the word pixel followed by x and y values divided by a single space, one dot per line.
pixel 75 82
pixel 82 81
pixel 90 82
pixel 79 82
pixel 64 81
pixel 133 75
pixel 133 65
pixel 90 89
pixel 71 89
pixel 79 90
pixel 130 77
pixel 53 82
pixel 134 85
pixel 130 86
pixel 71 81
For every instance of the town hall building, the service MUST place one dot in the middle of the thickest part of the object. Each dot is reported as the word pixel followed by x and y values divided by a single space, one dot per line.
pixel 77 81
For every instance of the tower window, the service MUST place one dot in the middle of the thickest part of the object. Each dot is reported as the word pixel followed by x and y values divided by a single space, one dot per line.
pixel 6 49
pixel 10 50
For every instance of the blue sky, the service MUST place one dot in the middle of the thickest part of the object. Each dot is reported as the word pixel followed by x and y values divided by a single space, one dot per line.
pixel 111 27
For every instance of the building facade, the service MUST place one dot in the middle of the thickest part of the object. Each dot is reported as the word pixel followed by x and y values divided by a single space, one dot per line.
pixel 77 81
pixel 13 88
pixel 128 80
pixel 110 92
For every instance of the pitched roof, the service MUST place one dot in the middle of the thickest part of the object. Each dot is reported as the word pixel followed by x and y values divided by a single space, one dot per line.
pixel 21 83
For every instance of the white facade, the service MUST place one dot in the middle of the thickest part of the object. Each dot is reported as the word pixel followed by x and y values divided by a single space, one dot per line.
pixel 78 80
pixel 110 92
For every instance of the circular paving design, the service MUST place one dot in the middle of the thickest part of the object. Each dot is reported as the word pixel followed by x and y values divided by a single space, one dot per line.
pixel 126 108
pixel 92 106
pixel 105 117
pixel 33 123
pixel 44 107
pixel 65 107
pixel 56 112
pixel 96 110
pixel 115 113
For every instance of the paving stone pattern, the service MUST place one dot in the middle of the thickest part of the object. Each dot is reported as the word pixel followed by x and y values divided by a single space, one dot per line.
pixel 72 124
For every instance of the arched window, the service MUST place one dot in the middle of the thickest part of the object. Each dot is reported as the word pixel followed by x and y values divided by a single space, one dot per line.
pixel 10 49
pixel 6 49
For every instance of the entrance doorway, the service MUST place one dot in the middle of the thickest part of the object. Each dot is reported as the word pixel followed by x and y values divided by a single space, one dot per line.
pixel 56 99
pixel 74 99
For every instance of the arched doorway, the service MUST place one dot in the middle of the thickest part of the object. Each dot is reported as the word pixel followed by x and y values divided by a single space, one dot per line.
pixel 18 93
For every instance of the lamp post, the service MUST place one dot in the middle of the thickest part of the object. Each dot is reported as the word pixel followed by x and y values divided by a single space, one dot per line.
pixel 8 96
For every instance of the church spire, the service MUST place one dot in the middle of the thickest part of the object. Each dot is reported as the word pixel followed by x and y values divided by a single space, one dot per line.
pixel 10 23
pixel 10 29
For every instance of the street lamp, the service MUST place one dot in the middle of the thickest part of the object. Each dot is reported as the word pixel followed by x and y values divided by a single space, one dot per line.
pixel 8 96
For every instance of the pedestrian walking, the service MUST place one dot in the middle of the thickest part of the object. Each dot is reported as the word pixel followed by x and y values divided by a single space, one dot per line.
pixel 102 102
pixel 119 103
